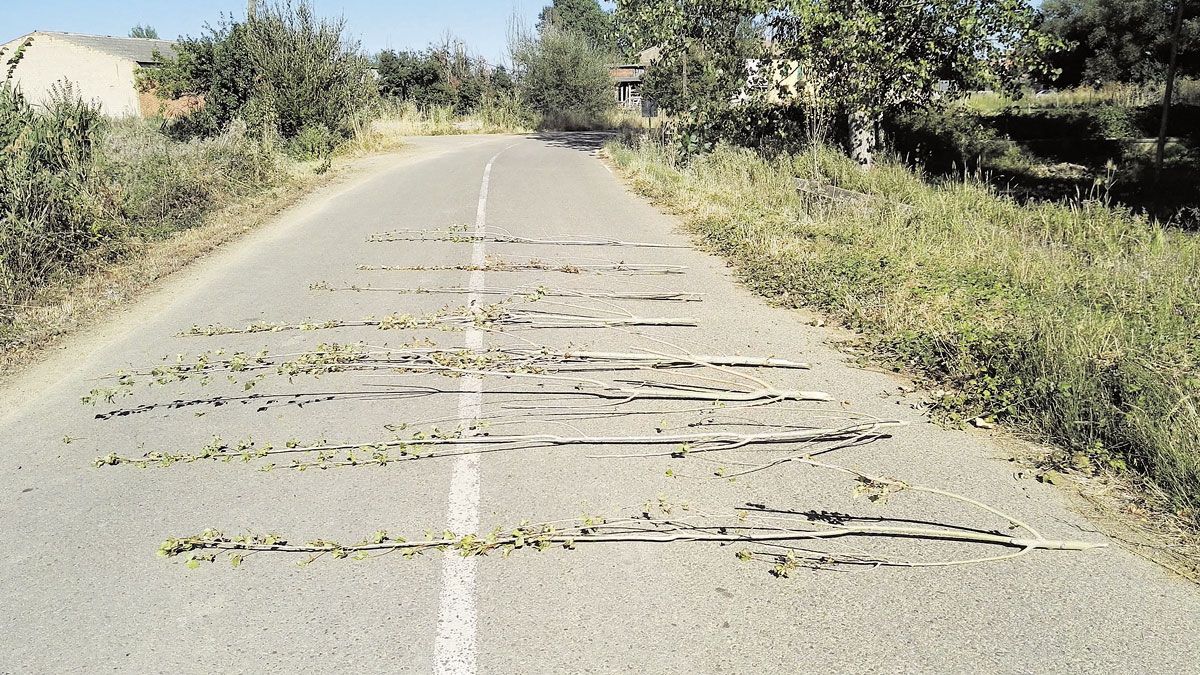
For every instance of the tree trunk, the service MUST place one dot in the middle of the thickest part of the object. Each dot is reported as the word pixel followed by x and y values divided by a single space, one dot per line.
pixel 1176 30
pixel 863 141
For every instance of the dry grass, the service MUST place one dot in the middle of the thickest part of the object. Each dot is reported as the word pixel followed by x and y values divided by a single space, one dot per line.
pixel 397 119
pixel 169 202
pixel 75 303
pixel 1111 93
pixel 1076 323
pixel 105 282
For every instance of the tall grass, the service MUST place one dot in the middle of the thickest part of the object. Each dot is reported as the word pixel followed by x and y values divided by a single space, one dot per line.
pixel 49 212
pixel 395 118
pixel 497 115
pixel 1078 322
pixel 1187 90
pixel 78 190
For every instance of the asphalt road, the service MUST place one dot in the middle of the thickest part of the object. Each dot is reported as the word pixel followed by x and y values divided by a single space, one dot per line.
pixel 82 589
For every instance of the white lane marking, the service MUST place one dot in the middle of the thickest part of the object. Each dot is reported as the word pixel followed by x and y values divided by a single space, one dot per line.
pixel 455 648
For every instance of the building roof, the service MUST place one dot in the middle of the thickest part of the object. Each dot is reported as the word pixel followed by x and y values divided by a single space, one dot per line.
pixel 649 56
pixel 139 50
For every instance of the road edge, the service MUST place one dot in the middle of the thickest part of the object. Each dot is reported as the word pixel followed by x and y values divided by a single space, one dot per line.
pixel 31 374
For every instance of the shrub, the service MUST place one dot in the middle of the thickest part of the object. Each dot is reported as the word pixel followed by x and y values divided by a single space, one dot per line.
pixel 162 186
pixel 562 76
pixel 947 139
pixel 282 72
pixel 312 143
pixel 446 74
pixel 76 190
pixel 48 215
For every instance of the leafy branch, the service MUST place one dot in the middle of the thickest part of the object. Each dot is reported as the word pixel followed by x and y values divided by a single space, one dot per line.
pixel 493 317
pixel 502 236
pixel 475 440
pixel 494 264
pixel 780 530
pixel 530 294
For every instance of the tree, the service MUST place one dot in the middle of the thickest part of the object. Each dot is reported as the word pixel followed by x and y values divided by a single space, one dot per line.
pixel 284 71
pixel 708 68
pixel 140 31
pixel 867 57
pixel 563 76
pixel 1119 40
pixel 585 17
pixel 1169 90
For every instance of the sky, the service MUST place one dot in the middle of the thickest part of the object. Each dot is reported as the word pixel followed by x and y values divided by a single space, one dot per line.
pixel 378 24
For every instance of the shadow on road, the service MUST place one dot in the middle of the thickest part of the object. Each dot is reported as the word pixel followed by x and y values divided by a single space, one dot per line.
pixel 584 141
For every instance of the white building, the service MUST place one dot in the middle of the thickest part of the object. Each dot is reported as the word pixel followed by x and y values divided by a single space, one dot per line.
pixel 101 68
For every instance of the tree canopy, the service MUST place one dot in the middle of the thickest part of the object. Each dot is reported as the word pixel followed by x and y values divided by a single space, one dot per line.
pixel 443 74
pixel 585 17
pixel 563 76
pixel 140 31
pixel 865 57
pixel 284 71
pixel 1119 40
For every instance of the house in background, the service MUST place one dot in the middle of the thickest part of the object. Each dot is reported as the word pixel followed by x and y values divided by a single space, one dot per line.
pixel 628 77
pixel 103 69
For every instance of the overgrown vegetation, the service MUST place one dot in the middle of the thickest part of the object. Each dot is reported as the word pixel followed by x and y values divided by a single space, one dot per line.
pixel 1076 321
pixel 559 80
pixel 446 75
pixel 78 190
pixel 859 60
pixel 1058 146
pixel 1118 41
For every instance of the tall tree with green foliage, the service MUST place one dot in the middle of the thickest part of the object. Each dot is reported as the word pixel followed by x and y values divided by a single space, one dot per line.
pixel 140 31
pixel 699 77
pixel 585 17
pixel 866 57
pixel 1120 40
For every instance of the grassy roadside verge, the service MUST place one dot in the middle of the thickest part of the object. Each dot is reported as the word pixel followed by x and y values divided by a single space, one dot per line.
pixel 1077 323
pixel 104 280
pixel 137 206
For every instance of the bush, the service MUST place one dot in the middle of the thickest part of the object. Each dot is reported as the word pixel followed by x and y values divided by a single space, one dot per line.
pixel 77 190
pixel 162 186
pixel 944 140
pixel 313 143
pixel 442 75
pixel 49 216
pixel 283 72
pixel 563 77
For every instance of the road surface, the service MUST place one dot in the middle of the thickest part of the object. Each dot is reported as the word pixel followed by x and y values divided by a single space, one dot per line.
pixel 83 589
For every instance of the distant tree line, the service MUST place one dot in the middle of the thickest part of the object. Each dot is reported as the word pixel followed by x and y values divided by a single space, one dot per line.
pixel 444 74
pixel 560 70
